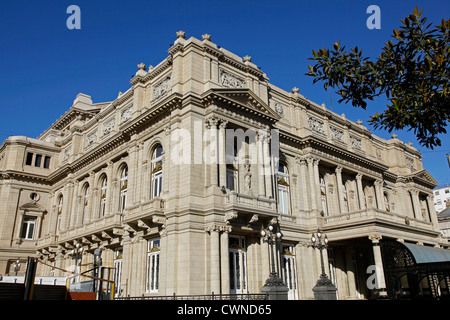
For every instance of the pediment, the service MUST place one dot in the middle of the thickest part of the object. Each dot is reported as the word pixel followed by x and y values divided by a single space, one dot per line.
pixel 32 206
pixel 424 177
pixel 243 99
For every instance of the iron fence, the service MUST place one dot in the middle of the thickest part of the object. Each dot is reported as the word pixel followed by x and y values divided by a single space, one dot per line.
pixel 212 296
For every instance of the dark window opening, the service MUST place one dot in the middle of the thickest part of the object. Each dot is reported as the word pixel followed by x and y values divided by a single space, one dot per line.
pixel 37 160
pixel 29 160
pixel 46 162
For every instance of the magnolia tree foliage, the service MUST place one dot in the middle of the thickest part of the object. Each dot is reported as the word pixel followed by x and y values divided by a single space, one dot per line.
pixel 412 72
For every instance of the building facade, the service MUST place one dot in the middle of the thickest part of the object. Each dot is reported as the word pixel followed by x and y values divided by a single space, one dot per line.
pixel 176 178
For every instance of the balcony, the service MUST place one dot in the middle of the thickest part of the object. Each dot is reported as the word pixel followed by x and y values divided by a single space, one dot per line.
pixel 374 215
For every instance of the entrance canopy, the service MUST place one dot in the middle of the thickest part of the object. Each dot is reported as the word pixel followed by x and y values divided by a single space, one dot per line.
pixel 423 254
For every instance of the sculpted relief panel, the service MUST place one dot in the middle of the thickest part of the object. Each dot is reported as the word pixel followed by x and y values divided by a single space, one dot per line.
pixel 229 80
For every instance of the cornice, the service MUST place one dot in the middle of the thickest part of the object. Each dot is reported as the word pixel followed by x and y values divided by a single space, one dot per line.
pixel 71 114
pixel 153 73
pixel 339 153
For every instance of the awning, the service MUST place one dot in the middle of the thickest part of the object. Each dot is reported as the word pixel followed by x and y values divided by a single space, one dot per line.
pixel 424 254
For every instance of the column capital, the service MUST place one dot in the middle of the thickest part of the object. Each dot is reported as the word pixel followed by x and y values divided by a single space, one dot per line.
pixel 301 160
pixel 359 176
pixel 223 124
pixel 378 182
pixel 375 238
pixel 338 169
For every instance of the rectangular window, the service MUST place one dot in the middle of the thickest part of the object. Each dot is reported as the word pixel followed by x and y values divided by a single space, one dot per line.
pixel 29 159
pixel 118 253
pixel 152 283
pixel 28 228
pixel 46 162
pixel 37 160
pixel 237 265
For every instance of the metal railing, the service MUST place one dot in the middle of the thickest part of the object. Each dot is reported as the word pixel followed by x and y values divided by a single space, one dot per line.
pixel 212 296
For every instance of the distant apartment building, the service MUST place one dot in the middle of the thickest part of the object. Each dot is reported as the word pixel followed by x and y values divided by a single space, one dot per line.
pixel 441 196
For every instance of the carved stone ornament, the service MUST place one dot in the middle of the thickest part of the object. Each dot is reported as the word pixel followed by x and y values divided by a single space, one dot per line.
pixel 410 164
pixel 66 154
pixel 229 80
pixel 356 142
pixel 91 138
pixel 108 126
pixel 279 109
pixel 316 125
pixel 337 134
pixel 161 88
pixel 125 115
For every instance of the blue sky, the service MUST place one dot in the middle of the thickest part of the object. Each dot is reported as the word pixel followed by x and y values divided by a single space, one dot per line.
pixel 44 65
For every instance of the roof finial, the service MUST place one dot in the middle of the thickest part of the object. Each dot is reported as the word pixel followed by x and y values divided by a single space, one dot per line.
pixel 181 34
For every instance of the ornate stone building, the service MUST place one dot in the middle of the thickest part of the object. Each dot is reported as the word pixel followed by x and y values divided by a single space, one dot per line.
pixel 154 179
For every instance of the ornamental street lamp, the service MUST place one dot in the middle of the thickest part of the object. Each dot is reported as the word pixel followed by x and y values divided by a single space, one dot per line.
pixel 76 253
pixel 274 286
pixel 324 288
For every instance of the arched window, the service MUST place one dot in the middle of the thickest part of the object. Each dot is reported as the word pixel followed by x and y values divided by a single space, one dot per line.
pixel 284 201
pixel 103 189
pixel 323 195
pixel 85 203
pixel 60 208
pixel 123 189
pixel 157 172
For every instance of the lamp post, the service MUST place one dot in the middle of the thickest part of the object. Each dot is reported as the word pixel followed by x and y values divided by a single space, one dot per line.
pixel 76 253
pixel 274 286
pixel 324 288
pixel 97 266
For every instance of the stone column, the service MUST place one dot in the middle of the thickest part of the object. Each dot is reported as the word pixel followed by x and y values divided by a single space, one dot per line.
pixel 312 184
pixel 361 196
pixel 316 183
pixel 225 260
pixel 91 206
pixel 66 209
pixel 214 159
pixel 379 271
pixel 127 263
pixel 109 186
pixel 75 206
pixel 214 258
pixel 304 201
pixel 432 212
pixel 340 192
pixel 132 174
pixel 260 166
pixel 416 204
pixel 222 154
pixel 163 260
pixel 139 174
pixel 378 185
pixel 268 169
pixel 265 263
pixel 351 279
